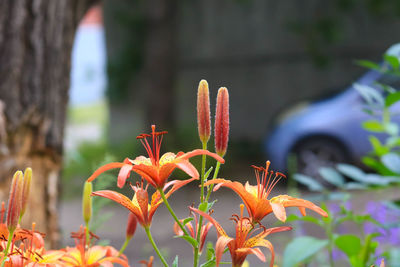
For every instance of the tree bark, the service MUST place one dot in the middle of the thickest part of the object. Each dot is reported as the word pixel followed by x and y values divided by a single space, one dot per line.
pixel 36 38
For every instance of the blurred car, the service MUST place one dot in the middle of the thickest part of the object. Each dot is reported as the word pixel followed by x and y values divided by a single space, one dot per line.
pixel 328 131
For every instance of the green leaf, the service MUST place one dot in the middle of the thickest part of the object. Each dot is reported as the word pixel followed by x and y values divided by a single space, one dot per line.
pixel 368 64
pixel 207 173
pixel 185 221
pixel 392 162
pixel 376 179
pixel 189 239
pixel 310 219
pixel 369 247
pixel 392 98
pixel 203 206
pixel 211 204
pixel 351 171
pixel 377 146
pixel 206 206
pixel 332 176
pixel 371 95
pixel 392 60
pixel 312 184
pixel 209 263
pixel 210 251
pixel 355 186
pixel 392 128
pixel 349 244
pixel 373 126
pixel 175 263
pixel 302 248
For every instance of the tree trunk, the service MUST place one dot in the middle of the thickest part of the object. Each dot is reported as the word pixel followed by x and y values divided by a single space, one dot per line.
pixel 36 38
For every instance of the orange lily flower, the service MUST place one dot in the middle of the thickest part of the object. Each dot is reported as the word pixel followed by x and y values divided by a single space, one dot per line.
pixel 30 251
pixel 94 256
pixel 247 240
pixel 155 169
pixel 139 205
pixel 255 197
pixel 194 230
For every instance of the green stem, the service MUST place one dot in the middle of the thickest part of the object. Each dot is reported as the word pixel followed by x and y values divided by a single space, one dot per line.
pixel 172 212
pixel 209 190
pixel 203 171
pixel 87 234
pixel 330 244
pixel 124 246
pixel 147 229
pixel 9 241
pixel 202 177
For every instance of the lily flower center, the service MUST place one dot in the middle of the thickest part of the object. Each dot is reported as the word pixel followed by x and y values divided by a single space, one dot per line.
pixel 152 150
pixel 267 180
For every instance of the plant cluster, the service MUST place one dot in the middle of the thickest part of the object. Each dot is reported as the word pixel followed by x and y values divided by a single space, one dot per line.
pixel 378 227
pixel 26 247
pixel 23 247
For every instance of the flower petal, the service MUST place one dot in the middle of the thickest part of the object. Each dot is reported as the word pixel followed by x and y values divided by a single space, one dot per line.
pixel 217 226
pixel 288 201
pixel 122 200
pixel 176 184
pixel 279 211
pixel 249 200
pixel 142 198
pixel 267 244
pixel 123 175
pixel 257 240
pixel 222 242
pixel 197 152
pixel 188 167
pixel 109 166
pixel 118 260
pixel 149 173
pixel 255 251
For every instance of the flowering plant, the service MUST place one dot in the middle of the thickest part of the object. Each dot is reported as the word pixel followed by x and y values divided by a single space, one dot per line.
pixel 155 170
pixel 21 247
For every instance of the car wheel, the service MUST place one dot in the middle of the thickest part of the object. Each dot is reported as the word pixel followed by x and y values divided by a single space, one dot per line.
pixel 315 153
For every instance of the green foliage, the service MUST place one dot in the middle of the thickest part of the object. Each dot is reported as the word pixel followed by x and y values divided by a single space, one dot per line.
pixel 175 263
pixel 302 248
pixel 358 250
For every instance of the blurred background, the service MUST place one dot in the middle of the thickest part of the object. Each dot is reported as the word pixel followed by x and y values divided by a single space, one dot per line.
pixel 289 67
pixel 275 59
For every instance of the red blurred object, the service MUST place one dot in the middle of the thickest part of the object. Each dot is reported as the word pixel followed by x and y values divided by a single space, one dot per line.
pixel 94 16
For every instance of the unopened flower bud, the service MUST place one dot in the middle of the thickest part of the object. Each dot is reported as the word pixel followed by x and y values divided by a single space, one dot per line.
pixel 222 122
pixel 131 227
pixel 87 202
pixel 203 112
pixel 15 201
pixel 25 191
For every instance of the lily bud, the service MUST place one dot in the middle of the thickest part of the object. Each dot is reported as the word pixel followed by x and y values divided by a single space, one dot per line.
pixel 131 227
pixel 87 202
pixel 203 112
pixel 25 191
pixel 222 122
pixel 15 201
